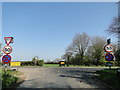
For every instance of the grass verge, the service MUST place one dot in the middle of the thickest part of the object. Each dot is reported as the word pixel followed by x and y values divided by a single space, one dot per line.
pixel 51 65
pixel 110 77
pixel 10 78
pixel 57 65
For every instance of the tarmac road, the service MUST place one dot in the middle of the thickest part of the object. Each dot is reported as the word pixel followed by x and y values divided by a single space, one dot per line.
pixel 60 77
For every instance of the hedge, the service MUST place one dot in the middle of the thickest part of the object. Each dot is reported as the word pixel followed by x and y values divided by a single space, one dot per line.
pixel 32 63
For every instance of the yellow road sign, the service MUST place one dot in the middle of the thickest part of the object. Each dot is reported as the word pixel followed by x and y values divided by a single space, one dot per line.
pixel 15 63
pixel 62 62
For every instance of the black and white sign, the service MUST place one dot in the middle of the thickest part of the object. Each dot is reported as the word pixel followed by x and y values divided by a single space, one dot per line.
pixel 7 49
pixel 109 48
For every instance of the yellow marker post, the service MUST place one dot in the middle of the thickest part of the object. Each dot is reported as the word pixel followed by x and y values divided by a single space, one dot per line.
pixel 15 63
pixel 62 63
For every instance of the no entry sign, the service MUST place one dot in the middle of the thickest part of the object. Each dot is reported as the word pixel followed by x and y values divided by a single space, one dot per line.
pixel 6 59
pixel 109 57
pixel 7 49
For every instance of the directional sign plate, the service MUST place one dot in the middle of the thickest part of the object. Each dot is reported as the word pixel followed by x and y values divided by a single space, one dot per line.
pixel 6 59
pixel 7 49
pixel 109 57
pixel 108 48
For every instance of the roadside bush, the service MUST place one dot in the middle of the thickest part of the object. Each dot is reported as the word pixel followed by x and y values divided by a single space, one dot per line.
pixel 116 63
pixel 27 63
pixel 51 62
pixel 85 62
pixel 32 63
pixel 117 55
pixel 40 62
pixel 110 77
pixel 102 62
pixel 8 80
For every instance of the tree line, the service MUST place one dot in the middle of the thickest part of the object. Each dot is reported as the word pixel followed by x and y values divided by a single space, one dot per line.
pixel 86 50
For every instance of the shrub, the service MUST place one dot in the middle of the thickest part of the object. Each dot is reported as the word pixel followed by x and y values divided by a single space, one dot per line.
pixel 116 63
pixel 51 62
pixel 117 55
pixel 8 80
pixel 102 62
pixel 27 63
pixel 40 62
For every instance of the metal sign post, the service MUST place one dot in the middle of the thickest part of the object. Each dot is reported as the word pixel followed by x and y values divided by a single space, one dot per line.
pixel 109 56
pixel 7 50
pixel 5 68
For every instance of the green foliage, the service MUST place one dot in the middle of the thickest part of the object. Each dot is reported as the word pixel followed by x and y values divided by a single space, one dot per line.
pixel 8 80
pixel 117 55
pixel 27 63
pixel 109 77
pixel 78 59
pixel 51 62
pixel 102 62
pixel 40 62
pixel 86 61
pixel 32 63
pixel 115 63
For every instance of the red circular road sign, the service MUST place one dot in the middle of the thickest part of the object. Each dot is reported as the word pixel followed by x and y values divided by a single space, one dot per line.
pixel 108 48
pixel 109 57
pixel 6 59
pixel 7 49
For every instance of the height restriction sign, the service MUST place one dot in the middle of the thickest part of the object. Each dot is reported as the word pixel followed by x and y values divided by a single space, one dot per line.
pixel 7 49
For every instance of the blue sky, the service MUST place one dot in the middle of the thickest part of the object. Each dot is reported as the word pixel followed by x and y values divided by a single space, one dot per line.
pixel 46 29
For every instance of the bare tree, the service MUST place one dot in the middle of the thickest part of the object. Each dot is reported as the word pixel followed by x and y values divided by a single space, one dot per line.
pixel 67 56
pixel 57 60
pixel 114 28
pixel 80 43
pixel 98 41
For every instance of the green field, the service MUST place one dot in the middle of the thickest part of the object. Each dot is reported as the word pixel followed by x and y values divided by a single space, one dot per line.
pixel 51 65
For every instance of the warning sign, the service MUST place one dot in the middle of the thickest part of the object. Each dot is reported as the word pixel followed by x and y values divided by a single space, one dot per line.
pixel 15 63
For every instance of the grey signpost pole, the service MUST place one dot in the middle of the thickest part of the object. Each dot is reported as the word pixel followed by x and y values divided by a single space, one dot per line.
pixel 109 49
pixel 35 62
pixel 36 58
pixel 7 50
pixel 5 68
